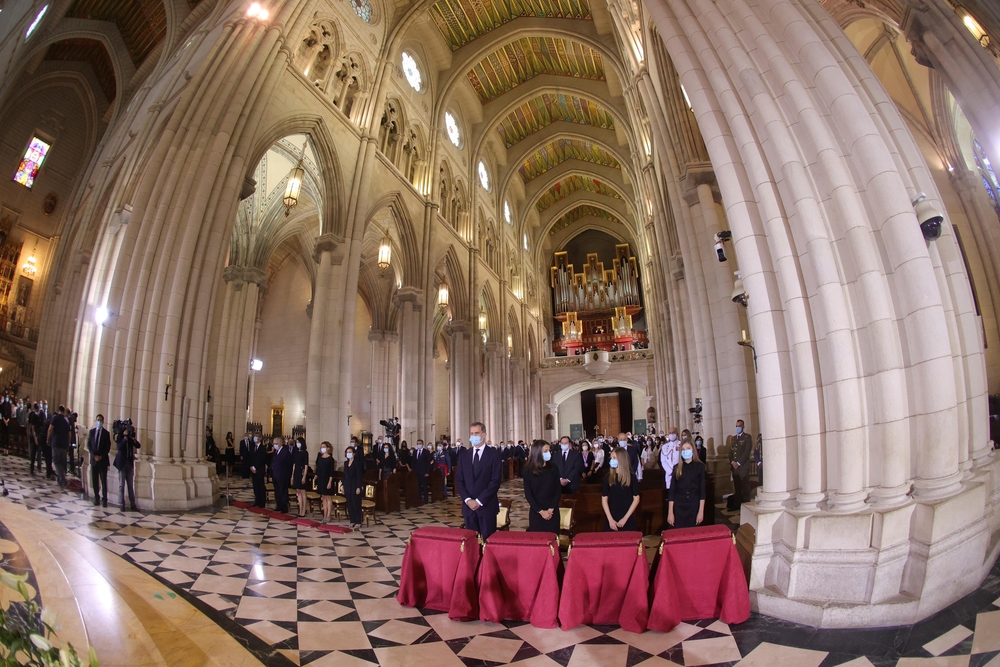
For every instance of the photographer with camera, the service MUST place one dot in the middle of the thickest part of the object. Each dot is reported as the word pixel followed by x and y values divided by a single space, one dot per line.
pixel 125 460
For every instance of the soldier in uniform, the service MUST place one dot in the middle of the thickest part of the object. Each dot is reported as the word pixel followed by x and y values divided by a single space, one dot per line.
pixel 739 459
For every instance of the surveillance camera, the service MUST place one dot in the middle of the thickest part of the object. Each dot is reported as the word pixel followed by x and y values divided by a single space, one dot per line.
pixel 740 298
pixel 720 250
pixel 739 292
pixel 929 217
pixel 725 235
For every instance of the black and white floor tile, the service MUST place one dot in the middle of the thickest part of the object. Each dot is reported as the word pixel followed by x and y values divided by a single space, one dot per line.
pixel 299 596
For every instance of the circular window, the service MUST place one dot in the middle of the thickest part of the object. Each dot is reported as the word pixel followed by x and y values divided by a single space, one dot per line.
pixel 484 176
pixel 411 71
pixel 451 127
pixel 363 9
pixel 34 24
pixel 506 213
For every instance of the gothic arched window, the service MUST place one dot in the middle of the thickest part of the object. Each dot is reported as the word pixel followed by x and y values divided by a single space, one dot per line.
pixel 989 176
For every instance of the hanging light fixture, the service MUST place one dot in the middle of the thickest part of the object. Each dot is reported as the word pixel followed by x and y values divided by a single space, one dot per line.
pixel 482 322
pixel 294 185
pixel 443 296
pixel 385 252
pixel 30 269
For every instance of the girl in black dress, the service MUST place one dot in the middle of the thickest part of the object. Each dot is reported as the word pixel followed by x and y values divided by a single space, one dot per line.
pixel 620 497
pixel 588 460
pixel 542 489
pixel 353 487
pixel 687 490
pixel 324 478
pixel 300 468
pixel 230 454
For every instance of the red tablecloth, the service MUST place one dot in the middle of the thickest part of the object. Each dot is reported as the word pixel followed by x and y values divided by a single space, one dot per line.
pixel 439 571
pixel 699 576
pixel 519 578
pixel 606 582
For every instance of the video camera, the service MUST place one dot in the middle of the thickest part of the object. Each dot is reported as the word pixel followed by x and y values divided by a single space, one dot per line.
pixel 696 410
pixel 391 426
pixel 119 426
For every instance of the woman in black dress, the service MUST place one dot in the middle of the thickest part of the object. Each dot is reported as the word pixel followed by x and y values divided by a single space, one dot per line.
pixel 386 460
pixel 230 453
pixel 620 497
pixel 300 468
pixel 687 490
pixel 541 489
pixel 324 478
pixel 588 460
pixel 353 487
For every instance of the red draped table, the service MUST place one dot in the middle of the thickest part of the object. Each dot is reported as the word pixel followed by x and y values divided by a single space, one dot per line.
pixel 606 582
pixel 699 576
pixel 519 578
pixel 439 571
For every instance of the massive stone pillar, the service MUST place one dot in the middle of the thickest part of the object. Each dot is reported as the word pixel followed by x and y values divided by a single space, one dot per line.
pixel 878 476
pixel 409 300
pixel 236 341
pixel 384 376
pixel 462 372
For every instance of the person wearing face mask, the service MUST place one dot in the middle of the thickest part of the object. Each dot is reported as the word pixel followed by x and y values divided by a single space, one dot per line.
pixel 442 460
pixel 686 507
pixel 600 456
pixel 542 489
pixel 230 453
pixel 300 471
pixel 588 460
pixel 421 461
pixel 620 495
pixel 386 459
pixel 324 478
pixel 247 445
pixel 699 446
pixel 258 465
pixel 281 474
pixel 633 452
pixel 477 479
pixel 669 456
pixel 405 455
pixel 740 452
pixel 353 488
pixel 569 465
pixel 99 445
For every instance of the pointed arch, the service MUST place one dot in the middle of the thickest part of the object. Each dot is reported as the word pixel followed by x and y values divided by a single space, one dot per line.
pixel 408 251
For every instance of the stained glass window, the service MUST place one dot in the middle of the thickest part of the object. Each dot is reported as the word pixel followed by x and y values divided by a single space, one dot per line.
pixel 32 162
pixel 34 24
pixel 451 126
pixel 526 242
pixel 484 176
pixel 363 8
pixel 411 71
pixel 990 181
pixel 506 213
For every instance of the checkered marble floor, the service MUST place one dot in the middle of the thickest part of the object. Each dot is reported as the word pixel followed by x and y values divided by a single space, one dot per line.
pixel 298 596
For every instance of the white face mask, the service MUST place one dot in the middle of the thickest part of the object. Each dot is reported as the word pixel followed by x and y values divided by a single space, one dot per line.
pixel 385 449
pixel 322 450
pixel 350 455
pixel 299 445
pixel 99 424
pixel 621 443
pixel 672 437
pixel 440 449
pixel 420 445
pixel 564 446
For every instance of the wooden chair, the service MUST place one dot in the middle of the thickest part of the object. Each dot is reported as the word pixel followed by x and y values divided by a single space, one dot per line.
pixel 566 522
pixel 339 500
pixel 503 515
pixel 368 510
pixel 312 496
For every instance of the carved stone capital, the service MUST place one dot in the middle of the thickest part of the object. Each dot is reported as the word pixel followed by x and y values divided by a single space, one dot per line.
pixel 328 243
pixel 408 294
pixel 457 327
pixel 376 335
pixel 241 275
pixel 699 173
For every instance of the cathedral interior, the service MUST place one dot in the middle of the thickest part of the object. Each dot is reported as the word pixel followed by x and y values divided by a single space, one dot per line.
pixel 555 217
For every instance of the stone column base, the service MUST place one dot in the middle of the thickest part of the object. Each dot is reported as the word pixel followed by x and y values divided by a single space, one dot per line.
pixel 874 567
pixel 166 487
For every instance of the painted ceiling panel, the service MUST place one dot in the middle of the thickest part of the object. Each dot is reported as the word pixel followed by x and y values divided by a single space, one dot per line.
pixel 582 211
pixel 142 23
pixel 560 150
pixel 461 21
pixel 529 57
pixel 546 109
pixel 571 184
pixel 88 51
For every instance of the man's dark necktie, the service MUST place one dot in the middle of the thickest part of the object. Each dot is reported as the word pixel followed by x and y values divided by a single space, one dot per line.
pixel 475 459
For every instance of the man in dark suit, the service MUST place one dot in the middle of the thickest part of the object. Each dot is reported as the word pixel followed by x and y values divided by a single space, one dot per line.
pixel 634 452
pixel 247 445
pixel 99 444
pixel 422 461
pixel 281 474
pixel 258 464
pixel 478 480
pixel 569 464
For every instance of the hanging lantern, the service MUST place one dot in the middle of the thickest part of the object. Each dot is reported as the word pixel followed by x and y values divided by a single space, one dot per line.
pixel 29 269
pixel 294 185
pixel 443 296
pixel 482 321
pixel 385 252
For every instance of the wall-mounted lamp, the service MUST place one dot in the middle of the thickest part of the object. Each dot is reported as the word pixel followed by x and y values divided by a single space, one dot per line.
pixel 101 315
pixel 256 364
pixel 255 11
pixel 747 342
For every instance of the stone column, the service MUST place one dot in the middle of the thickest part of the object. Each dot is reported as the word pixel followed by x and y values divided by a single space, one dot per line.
pixel 236 347
pixel 383 376
pixel 460 361
pixel 409 300
pixel 494 392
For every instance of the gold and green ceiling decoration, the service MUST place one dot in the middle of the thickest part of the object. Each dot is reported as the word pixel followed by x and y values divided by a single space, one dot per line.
pixel 558 151
pixel 571 184
pixel 529 57
pixel 580 212
pixel 546 109
pixel 461 21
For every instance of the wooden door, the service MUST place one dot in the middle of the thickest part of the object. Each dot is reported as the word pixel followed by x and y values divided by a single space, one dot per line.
pixel 608 416
pixel 277 421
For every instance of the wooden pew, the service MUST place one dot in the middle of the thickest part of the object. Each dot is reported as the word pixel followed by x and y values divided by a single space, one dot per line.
pixel 436 482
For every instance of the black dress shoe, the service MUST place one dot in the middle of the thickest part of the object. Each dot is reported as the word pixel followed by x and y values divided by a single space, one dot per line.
pixel 104 502
pixel 134 508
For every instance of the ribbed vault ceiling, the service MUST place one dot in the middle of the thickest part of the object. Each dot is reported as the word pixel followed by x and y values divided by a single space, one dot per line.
pixel 461 21
pixel 571 184
pixel 558 151
pixel 142 23
pixel 546 109
pixel 528 57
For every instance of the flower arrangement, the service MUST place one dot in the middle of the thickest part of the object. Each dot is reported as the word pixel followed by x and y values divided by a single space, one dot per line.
pixel 27 630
